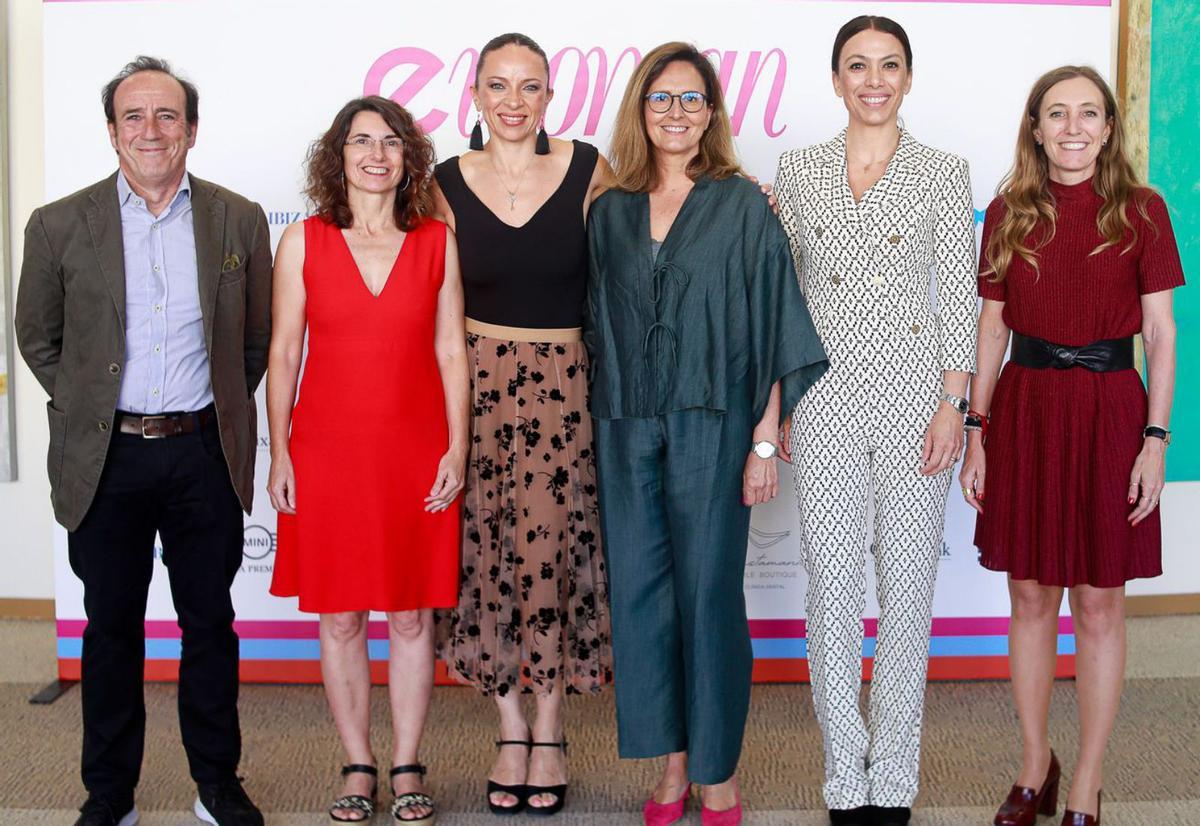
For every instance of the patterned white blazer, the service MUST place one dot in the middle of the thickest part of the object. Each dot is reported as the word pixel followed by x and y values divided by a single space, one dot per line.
pixel 865 268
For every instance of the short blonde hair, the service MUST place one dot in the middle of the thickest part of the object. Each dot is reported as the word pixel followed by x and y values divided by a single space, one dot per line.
pixel 631 152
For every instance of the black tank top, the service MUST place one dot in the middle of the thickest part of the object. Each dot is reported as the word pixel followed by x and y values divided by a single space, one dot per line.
pixel 534 275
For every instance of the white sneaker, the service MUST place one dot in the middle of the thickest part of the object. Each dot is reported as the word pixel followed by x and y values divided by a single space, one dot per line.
pixel 202 813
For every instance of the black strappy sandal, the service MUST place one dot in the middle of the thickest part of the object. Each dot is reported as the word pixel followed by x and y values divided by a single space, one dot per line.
pixel 404 801
pixel 560 791
pixel 357 802
pixel 518 791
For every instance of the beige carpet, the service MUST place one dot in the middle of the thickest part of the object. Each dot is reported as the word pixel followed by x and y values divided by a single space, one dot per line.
pixel 291 754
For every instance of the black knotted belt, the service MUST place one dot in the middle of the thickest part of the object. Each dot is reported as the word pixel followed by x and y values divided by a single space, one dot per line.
pixel 1104 356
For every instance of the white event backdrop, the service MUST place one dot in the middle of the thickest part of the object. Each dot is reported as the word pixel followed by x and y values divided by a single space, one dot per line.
pixel 271 75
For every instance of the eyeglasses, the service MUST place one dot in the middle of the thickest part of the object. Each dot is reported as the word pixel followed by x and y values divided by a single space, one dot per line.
pixel 661 102
pixel 392 146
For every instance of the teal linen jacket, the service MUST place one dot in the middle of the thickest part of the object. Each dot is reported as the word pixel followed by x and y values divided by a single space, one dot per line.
pixel 719 305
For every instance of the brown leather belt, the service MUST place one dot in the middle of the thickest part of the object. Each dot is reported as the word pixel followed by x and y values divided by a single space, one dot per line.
pixel 159 427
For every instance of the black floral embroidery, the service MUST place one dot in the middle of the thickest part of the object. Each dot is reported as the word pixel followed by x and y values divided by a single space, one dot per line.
pixel 533 605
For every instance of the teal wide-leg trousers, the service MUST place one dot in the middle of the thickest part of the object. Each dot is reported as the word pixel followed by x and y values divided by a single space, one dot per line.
pixel 675 532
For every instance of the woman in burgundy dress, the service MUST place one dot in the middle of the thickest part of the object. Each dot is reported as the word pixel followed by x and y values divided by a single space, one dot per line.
pixel 367 467
pixel 1077 258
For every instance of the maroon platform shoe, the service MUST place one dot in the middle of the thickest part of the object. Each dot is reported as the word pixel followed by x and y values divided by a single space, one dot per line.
pixel 1073 818
pixel 1024 804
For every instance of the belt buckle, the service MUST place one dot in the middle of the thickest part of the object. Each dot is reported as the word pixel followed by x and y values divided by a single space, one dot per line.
pixel 146 435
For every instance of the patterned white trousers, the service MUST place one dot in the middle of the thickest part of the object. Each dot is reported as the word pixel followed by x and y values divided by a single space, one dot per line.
pixel 858 434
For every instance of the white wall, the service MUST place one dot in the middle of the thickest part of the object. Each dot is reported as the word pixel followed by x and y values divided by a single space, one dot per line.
pixel 26 536
pixel 26 520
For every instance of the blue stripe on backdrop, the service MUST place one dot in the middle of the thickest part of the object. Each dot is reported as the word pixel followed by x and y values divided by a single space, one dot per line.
pixel 782 649
pixel 989 646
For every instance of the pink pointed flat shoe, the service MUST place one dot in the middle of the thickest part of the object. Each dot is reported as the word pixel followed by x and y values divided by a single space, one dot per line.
pixel 664 814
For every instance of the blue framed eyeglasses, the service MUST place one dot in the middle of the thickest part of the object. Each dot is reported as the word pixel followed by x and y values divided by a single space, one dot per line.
pixel 691 102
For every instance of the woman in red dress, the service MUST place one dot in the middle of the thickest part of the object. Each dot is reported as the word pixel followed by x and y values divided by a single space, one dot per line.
pixel 366 469
pixel 1077 258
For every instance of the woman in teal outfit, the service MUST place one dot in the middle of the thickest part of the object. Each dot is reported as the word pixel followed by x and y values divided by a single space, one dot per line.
pixel 699 338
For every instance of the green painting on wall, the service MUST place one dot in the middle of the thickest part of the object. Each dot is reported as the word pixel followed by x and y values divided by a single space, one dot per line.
pixel 1175 171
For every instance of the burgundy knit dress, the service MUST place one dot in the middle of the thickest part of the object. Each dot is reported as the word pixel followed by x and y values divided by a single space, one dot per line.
pixel 1061 443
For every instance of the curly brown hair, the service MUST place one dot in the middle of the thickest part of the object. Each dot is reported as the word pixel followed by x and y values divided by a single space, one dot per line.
pixel 326 186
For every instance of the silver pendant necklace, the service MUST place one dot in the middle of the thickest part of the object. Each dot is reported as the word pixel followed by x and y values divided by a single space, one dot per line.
pixel 512 193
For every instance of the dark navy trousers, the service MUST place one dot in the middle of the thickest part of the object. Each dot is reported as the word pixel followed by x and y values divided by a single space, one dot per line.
pixel 675 532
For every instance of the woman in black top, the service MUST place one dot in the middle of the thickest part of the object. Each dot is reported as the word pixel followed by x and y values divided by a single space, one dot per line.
pixel 533 604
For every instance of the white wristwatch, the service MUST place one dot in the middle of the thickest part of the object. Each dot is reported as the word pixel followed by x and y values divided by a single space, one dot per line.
pixel 764 449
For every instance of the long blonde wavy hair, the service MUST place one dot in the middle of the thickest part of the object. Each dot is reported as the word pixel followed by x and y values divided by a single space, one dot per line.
pixel 632 154
pixel 1025 190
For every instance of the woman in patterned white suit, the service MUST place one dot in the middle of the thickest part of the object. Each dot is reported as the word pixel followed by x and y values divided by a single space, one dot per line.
pixel 870 215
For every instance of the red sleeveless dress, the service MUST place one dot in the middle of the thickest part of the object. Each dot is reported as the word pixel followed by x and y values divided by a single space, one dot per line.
pixel 368 431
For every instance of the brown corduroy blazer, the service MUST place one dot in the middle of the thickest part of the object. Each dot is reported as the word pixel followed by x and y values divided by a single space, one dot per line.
pixel 70 323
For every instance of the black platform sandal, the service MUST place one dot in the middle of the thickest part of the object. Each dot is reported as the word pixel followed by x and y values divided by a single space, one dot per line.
pixel 518 791
pixel 408 799
pixel 357 802
pixel 560 791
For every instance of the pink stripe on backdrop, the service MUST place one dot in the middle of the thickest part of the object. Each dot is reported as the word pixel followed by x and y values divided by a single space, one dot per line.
pixel 942 627
pixel 759 629
pixel 249 629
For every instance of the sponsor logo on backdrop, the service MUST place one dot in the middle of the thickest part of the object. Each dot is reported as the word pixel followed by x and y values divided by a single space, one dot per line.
pixel 258 543
pixel 771 562
pixel 283 217
pixel 585 82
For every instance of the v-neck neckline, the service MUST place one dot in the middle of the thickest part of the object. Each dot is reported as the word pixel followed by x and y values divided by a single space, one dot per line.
pixel 358 270
pixel 670 233
pixel 859 203
pixel 536 212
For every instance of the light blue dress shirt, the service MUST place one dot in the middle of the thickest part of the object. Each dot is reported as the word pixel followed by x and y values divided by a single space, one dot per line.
pixel 166 363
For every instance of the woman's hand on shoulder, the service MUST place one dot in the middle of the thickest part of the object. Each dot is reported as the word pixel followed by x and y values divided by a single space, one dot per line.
pixel 767 190
pixel 449 482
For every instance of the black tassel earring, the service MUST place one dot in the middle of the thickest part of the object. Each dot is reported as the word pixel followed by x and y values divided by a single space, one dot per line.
pixel 542 147
pixel 477 134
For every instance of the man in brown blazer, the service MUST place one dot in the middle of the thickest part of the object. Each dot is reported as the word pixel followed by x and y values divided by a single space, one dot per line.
pixel 143 309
